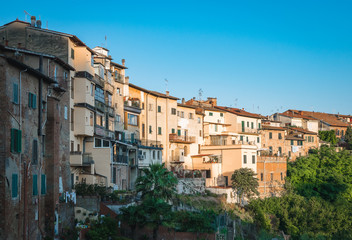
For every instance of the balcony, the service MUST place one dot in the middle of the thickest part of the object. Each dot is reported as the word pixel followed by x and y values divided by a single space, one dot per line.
pixel 98 80
pixel 100 106
pixel 213 159
pixel 151 143
pixel 103 132
pixel 119 77
pixel 248 130
pixel 132 105
pixel 81 159
pixel 177 160
pixel 83 74
pixel 173 137
pixel 111 111
pixel 133 141
pixel 120 159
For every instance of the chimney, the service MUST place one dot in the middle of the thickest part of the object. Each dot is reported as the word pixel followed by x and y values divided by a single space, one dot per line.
pixel 123 62
pixel 183 101
pixel 167 93
pixel 39 24
pixel 127 79
pixel 33 21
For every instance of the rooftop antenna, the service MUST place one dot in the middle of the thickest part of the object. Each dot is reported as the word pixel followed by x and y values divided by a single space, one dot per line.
pixel 166 83
pixel 25 16
pixel 200 93
pixel 236 100
pixel 106 42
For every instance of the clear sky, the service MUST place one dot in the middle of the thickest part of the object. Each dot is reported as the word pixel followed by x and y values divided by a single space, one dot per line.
pixel 264 56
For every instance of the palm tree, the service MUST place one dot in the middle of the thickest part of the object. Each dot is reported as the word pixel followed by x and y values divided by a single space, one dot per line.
pixel 157 182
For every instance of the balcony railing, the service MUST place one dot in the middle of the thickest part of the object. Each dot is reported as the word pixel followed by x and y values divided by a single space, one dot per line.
pixel 151 143
pixel 177 160
pixel 121 159
pixel 102 131
pixel 173 137
pixel 83 74
pixel 119 77
pixel 213 159
pixel 79 158
pixel 111 111
pixel 133 103
pixel 100 105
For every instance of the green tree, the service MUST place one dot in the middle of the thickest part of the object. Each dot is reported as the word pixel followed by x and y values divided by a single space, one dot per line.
pixel 134 216
pixel 245 183
pixel 104 228
pixel 348 138
pixel 328 136
pixel 157 182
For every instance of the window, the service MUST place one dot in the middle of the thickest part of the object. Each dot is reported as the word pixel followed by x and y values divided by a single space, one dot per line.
pixel 132 119
pixel 207 174
pixel 92 60
pixel 280 150
pixel 150 129
pixel 221 114
pixel 312 139
pixel 159 109
pixel 99 119
pixel 252 125
pixel 150 107
pixel 91 119
pixel 241 138
pixel 190 115
pixel 114 175
pixel 270 135
pixel 210 114
pixel 35 152
pixel 109 99
pixel 99 94
pixel 299 143
pixel 32 100
pixel 35 185
pixel 271 149
pixel 199 120
pixel 292 142
pixel 14 185
pixel 55 73
pixel 43 184
pixel 173 130
pixel 244 159
pixel 182 114
pixel 280 136
pixel 16 140
pixel 259 125
pixel 342 132
pixel 200 133
pixel 143 130
pixel 159 155
pixel 72 88
pixel 15 93
pixel 153 154
pixel 101 143
pixel 253 159
pixel 72 119
pixel 111 124
pixel 258 139
pixel 247 139
pixel 309 139
pixel 248 124
pixel 261 177
pixel 282 176
pixel 72 53
pixel 159 130
pixel 173 111
pixel 242 126
pixel 118 118
pixel 118 91
pixel 179 132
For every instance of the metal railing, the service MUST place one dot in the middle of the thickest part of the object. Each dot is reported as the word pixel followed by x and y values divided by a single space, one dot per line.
pixel 121 159
pixel 176 138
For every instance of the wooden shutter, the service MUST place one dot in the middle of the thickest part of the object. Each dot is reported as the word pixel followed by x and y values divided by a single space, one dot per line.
pixel 35 152
pixel 43 184
pixel 15 93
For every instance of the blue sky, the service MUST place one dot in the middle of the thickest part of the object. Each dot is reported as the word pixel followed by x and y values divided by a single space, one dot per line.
pixel 264 56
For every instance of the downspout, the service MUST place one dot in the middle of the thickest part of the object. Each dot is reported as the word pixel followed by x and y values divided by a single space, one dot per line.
pixel 20 160
pixel 40 98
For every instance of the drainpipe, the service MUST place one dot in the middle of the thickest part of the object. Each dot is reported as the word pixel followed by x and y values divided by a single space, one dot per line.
pixel 40 98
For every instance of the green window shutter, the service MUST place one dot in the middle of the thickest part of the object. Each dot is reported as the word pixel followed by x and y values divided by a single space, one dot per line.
pixel 312 139
pixel 178 132
pixel 123 136
pixel 258 139
pixel 280 150
pixel 35 185
pixel 159 130
pixel 14 185
pixel 173 130
pixel 15 93
pixel 241 138
pixel 242 126
pixel 132 137
pixel 19 141
pixel 34 103
pixel 43 185
pixel 291 142
pixel 259 125
pixel 270 135
pixel 252 125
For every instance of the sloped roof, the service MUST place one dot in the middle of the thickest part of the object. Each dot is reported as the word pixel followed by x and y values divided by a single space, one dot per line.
pixel 154 93
pixel 328 118
pixel 239 112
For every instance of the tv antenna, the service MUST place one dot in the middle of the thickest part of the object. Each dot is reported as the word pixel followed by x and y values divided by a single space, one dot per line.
pixel 26 14
pixel 236 100
pixel 200 93
pixel 166 83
